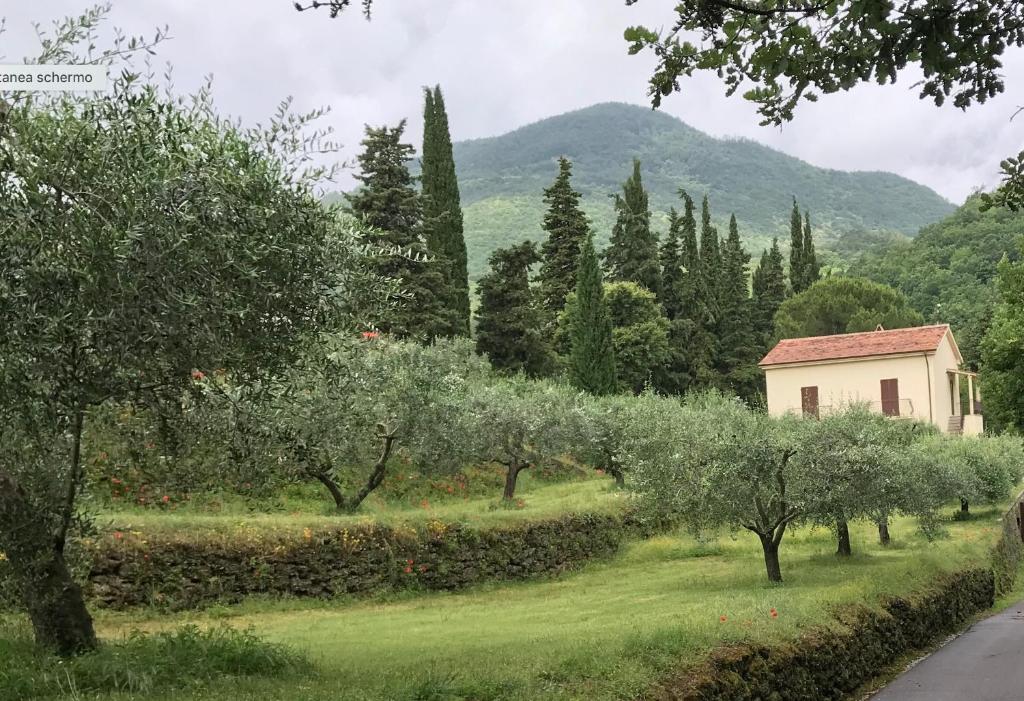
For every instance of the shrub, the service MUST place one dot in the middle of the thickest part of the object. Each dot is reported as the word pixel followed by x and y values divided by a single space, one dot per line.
pixel 141 664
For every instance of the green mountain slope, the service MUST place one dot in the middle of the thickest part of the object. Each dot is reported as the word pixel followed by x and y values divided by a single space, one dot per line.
pixel 948 270
pixel 502 179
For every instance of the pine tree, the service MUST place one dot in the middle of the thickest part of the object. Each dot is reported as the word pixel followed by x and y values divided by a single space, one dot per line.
pixel 769 287
pixel 812 270
pixel 509 330
pixel 712 280
pixel 442 208
pixel 672 266
pixel 391 208
pixel 632 253
pixel 797 267
pixel 567 227
pixel 592 355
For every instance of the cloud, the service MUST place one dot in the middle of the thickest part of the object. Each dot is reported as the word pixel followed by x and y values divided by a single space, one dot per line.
pixel 506 63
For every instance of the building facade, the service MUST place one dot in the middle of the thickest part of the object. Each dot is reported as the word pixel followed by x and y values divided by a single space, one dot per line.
pixel 910 373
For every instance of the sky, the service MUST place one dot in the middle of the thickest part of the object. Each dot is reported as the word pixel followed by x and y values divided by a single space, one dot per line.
pixel 506 63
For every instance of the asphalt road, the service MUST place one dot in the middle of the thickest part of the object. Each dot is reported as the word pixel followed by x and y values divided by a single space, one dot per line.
pixel 984 664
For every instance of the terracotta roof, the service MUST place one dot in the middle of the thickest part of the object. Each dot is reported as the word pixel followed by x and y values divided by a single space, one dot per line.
pixel 856 345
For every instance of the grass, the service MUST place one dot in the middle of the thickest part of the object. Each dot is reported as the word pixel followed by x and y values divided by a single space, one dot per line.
pixel 307 507
pixel 604 633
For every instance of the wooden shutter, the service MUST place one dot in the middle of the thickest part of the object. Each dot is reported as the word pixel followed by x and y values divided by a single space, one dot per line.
pixel 891 397
pixel 809 401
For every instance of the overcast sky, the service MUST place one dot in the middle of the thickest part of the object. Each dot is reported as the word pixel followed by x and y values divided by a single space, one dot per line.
pixel 505 63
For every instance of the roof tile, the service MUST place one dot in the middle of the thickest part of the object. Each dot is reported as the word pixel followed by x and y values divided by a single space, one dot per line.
pixel 856 345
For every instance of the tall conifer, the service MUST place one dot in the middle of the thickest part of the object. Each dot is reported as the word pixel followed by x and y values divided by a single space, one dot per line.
pixel 812 269
pixel 769 288
pixel 508 329
pixel 391 207
pixel 672 266
pixel 738 343
pixel 797 266
pixel 632 253
pixel 566 226
pixel 592 355
pixel 442 208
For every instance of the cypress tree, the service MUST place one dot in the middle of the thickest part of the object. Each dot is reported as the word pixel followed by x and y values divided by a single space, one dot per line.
pixel 739 345
pixel 712 280
pixel 769 287
pixel 443 209
pixel 566 225
pixel 812 270
pixel 797 267
pixel 632 253
pixel 592 355
pixel 672 266
pixel 508 329
pixel 392 209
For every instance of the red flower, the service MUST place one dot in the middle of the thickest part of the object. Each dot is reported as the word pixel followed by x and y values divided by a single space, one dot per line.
pixel 408 570
pixel 408 562
pixel 118 535
pixel 723 619
pixel 198 375
pixel 774 613
pixel 165 499
pixel 115 480
pixel 369 335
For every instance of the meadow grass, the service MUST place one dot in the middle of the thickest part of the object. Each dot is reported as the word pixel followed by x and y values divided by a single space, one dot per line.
pixel 604 633
pixel 308 508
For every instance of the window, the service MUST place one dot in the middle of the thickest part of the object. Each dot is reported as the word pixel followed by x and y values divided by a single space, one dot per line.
pixel 809 401
pixel 891 397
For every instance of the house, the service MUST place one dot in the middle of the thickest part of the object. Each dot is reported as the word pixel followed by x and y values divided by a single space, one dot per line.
pixel 913 373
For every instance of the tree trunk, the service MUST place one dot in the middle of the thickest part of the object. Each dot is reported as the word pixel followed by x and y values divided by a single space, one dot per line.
pixel 883 530
pixel 771 557
pixel 965 508
pixel 620 479
pixel 843 536
pixel 51 597
pixel 325 479
pixel 511 476
pixel 377 476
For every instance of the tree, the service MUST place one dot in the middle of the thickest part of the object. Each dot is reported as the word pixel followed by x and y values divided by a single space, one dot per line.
pixel 769 292
pixel 566 226
pixel 509 329
pixel 442 208
pixel 592 353
pixel 843 305
pixel 391 208
pixel 1003 352
pixel 177 242
pixel 811 267
pixel 739 345
pixel 797 266
pixel 723 465
pixel 598 428
pixel 674 377
pixel 632 252
pixel 639 334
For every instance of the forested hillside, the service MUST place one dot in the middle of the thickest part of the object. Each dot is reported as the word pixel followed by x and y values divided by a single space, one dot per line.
pixel 947 271
pixel 502 178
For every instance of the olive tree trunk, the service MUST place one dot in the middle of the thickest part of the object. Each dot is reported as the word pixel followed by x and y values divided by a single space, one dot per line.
pixel 51 597
pixel 883 531
pixel 843 537
pixel 514 467
pixel 771 557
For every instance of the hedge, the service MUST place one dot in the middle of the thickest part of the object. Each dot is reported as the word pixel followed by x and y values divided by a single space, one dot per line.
pixel 185 573
pixel 1008 552
pixel 829 663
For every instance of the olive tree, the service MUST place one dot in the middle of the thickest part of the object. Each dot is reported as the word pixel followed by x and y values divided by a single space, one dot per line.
pixel 141 238
pixel 516 422
pixel 599 428
pixel 983 470
pixel 725 466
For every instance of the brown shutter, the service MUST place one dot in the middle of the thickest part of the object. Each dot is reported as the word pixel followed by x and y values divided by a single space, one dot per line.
pixel 891 397
pixel 809 401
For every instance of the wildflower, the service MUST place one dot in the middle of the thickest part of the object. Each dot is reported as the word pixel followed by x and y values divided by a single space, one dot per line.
pixel 370 335
pixel 166 499
pixel 723 619
pixel 3 556
pixel 118 535
pixel 198 375
pixel 423 568
pixel 114 480
pixel 408 562
pixel 407 570
pixel 774 613
pixel 307 533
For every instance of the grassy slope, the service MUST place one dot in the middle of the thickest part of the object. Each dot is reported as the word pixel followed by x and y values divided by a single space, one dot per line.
pixel 604 633
pixel 312 509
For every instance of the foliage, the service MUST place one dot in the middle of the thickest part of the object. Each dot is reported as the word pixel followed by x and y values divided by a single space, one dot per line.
pixel 391 210
pixel 442 211
pixel 739 346
pixel 186 658
pixel 591 352
pixel 948 271
pixel 768 291
pixel 510 328
pixel 1003 351
pixel 567 228
pixel 839 305
pixel 632 252
pixel 981 470
pixel 639 334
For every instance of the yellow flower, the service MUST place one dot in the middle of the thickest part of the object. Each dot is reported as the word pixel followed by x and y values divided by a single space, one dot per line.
pixel 307 533
pixel 3 556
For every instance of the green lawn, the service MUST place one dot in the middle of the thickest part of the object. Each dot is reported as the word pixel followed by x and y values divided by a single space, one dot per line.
pixel 603 633
pixel 309 508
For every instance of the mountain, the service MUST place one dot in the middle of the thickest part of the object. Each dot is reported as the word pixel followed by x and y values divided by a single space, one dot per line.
pixel 502 179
